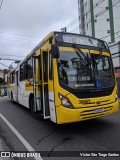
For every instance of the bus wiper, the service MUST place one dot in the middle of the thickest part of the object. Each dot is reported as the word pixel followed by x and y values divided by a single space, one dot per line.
pixel 82 55
pixel 84 58
pixel 100 57
pixel 81 58
pixel 100 54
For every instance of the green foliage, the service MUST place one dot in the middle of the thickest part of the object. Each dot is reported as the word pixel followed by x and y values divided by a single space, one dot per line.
pixel 1 80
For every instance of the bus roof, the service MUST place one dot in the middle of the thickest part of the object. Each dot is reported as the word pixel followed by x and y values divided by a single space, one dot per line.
pixel 51 34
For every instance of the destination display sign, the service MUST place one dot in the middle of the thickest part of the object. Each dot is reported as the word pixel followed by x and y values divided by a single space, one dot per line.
pixel 79 39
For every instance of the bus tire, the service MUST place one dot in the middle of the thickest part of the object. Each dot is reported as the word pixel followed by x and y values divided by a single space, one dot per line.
pixel 34 114
pixel 12 99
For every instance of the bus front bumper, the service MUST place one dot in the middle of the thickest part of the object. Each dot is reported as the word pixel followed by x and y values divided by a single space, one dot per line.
pixel 66 115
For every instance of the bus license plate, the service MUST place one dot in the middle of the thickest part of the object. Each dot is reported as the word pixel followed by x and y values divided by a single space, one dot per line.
pixel 97 110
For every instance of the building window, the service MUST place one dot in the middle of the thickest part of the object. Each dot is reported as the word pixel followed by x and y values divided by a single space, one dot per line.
pixel 86 15
pixel 87 26
pixel 95 20
pixel 22 72
pixel 82 2
pixel 29 69
pixel 13 77
pixel 108 31
pixel 86 4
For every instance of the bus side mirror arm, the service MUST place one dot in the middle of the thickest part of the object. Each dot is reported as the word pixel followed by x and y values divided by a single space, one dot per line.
pixel 55 51
pixel 51 68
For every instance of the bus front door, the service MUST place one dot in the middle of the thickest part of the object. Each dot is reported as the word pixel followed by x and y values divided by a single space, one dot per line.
pixel 16 90
pixel 40 84
pixel 46 110
pixel 37 84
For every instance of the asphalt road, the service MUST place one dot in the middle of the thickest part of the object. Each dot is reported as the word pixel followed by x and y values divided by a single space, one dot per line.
pixel 102 134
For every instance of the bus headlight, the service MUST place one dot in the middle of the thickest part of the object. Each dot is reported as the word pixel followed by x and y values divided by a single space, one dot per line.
pixel 65 101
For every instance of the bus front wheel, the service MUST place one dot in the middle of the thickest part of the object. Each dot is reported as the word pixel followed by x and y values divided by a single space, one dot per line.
pixel 34 114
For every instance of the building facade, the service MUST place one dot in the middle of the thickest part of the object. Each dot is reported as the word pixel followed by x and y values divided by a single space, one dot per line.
pixel 1 73
pixel 100 19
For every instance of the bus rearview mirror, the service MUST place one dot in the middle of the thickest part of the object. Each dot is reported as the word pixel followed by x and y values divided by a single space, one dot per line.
pixel 54 51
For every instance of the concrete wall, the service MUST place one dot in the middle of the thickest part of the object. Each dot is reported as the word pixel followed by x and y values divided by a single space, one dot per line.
pixel 101 18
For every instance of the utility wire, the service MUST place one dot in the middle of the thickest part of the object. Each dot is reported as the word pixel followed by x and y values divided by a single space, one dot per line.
pixel 77 19
pixel 72 22
pixel 101 30
pixel 2 33
pixel 110 35
pixel 98 3
pixel 9 59
pixel 116 3
pixel 23 40
pixel 88 21
pixel 105 18
pixel 10 55
pixel 117 37
pixel 20 38
pixel 4 65
pixel 115 46
pixel 97 15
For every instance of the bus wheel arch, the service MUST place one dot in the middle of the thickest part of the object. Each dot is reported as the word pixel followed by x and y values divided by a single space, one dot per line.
pixel 34 114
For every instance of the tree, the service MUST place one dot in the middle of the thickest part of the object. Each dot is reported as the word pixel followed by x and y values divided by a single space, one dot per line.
pixel 1 80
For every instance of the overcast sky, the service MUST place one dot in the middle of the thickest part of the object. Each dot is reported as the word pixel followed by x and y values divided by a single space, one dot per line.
pixel 24 23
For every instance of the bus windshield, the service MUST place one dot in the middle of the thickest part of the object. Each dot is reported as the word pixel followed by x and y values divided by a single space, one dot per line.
pixel 92 71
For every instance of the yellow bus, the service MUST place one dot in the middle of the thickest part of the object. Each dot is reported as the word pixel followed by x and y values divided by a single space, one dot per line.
pixel 66 78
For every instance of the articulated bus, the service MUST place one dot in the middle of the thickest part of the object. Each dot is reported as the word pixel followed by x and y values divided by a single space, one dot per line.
pixel 66 78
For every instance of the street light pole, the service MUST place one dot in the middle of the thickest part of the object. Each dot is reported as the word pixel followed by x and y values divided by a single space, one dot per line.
pixel 10 66
pixel 10 59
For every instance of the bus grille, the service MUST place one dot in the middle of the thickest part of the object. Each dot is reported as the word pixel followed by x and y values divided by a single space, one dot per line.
pixel 92 114
pixel 102 104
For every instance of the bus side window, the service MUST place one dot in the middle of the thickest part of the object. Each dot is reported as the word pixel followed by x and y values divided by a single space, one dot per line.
pixel 22 72
pixel 12 77
pixel 50 67
pixel 29 68
pixel 45 66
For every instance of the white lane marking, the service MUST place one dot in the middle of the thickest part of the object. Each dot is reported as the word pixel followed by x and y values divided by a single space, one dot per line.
pixel 25 143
